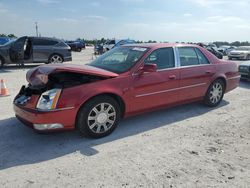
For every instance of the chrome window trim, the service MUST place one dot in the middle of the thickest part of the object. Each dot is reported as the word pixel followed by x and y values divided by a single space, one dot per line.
pixel 201 65
pixel 177 57
pixel 168 90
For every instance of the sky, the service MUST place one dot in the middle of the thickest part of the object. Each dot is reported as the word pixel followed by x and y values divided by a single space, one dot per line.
pixel 160 20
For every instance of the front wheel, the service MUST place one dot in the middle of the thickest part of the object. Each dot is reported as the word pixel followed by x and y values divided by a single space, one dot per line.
pixel 99 117
pixel 215 93
pixel 55 59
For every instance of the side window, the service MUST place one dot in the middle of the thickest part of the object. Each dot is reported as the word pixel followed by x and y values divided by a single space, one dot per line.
pixel 44 42
pixel 202 58
pixel 163 58
pixel 188 56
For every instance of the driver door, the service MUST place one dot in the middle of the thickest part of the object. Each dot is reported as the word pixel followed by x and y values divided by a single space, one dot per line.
pixel 156 89
pixel 16 51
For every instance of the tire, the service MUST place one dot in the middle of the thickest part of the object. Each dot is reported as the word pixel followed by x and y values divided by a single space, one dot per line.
pixel 215 93
pixel 78 49
pixel 248 57
pixel 55 59
pixel 229 58
pixel 99 117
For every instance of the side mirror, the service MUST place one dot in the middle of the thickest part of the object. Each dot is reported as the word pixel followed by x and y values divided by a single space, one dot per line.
pixel 148 68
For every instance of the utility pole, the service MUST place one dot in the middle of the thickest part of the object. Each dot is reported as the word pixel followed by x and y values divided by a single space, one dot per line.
pixel 36 29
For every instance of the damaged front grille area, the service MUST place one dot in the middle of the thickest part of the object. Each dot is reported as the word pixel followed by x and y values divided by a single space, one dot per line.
pixel 55 80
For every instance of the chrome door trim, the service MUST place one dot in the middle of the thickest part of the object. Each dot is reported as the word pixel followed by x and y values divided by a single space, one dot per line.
pixel 168 90
pixel 232 78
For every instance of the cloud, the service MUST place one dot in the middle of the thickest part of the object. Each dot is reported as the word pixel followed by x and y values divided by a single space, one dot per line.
pixel 207 3
pixel 48 1
pixel 94 18
pixel 95 4
pixel 187 15
pixel 68 20
pixel 132 1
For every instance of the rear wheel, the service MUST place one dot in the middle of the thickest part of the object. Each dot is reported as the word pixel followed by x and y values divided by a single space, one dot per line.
pixel 78 49
pixel 215 93
pixel 55 58
pixel 98 117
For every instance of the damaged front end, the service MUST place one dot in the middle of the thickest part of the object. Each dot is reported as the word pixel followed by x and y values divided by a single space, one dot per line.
pixel 48 81
pixel 42 104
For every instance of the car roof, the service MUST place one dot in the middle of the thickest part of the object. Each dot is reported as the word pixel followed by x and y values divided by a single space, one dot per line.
pixel 46 38
pixel 161 45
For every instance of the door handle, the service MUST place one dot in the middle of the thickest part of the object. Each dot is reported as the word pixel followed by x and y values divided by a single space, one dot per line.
pixel 172 77
pixel 208 72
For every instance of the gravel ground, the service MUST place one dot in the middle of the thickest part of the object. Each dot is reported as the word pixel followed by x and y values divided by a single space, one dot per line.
pixel 185 146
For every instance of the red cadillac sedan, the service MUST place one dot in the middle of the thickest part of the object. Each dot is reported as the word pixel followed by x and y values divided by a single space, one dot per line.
pixel 125 81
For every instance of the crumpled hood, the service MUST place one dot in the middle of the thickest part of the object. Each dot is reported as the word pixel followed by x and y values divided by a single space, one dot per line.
pixel 39 75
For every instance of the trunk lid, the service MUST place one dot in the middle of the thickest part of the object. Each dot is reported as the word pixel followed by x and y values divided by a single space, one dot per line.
pixel 39 76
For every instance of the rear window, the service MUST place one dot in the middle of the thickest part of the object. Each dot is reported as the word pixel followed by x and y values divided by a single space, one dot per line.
pixel 44 42
pixel 188 56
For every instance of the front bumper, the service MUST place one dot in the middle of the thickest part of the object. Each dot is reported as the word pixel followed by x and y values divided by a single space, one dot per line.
pixel 59 119
pixel 67 58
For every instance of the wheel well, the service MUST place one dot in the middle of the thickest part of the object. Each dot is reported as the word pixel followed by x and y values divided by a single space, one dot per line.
pixel 223 80
pixel 118 99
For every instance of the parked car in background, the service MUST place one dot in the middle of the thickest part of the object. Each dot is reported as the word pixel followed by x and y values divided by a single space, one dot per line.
pixel 76 45
pixel 226 49
pixel 215 52
pixel 4 40
pixel 98 49
pixel 35 50
pixel 109 44
pixel 244 70
pixel 125 81
pixel 242 53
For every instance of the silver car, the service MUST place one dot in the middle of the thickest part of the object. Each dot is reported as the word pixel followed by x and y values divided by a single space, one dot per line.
pixel 34 50
pixel 242 52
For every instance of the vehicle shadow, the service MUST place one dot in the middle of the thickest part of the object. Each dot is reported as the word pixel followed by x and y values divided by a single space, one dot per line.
pixel 245 84
pixel 19 145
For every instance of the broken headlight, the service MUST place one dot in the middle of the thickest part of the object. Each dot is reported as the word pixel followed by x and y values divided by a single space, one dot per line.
pixel 48 100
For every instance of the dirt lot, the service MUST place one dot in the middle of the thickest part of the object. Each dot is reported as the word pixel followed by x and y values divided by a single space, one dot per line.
pixel 185 146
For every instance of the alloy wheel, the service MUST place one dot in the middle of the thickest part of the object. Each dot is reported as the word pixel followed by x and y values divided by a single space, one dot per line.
pixel 101 118
pixel 56 59
pixel 216 93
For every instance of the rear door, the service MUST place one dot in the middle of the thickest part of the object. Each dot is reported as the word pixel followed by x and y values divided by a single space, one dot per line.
pixel 42 49
pixel 159 88
pixel 17 48
pixel 195 73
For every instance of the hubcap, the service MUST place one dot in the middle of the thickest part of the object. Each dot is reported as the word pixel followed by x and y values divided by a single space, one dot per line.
pixel 56 59
pixel 216 93
pixel 101 118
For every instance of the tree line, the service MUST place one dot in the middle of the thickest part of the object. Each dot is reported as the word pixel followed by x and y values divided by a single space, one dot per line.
pixel 103 40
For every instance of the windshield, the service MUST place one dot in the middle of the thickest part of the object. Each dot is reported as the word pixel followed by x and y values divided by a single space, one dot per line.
pixel 119 59
pixel 243 49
